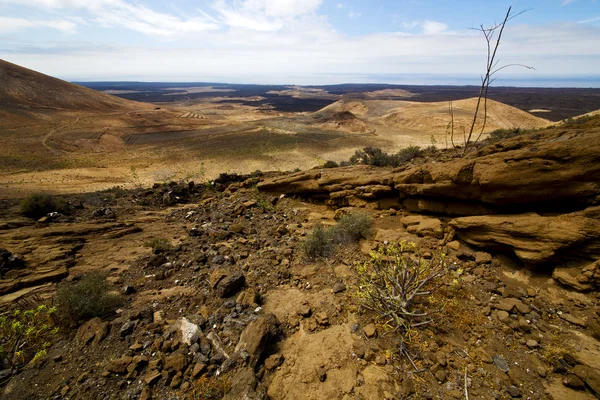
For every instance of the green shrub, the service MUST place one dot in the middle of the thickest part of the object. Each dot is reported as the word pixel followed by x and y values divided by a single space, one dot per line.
pixel 159 245
pixel 39 204
pixel 501 134
pixel 376 157
pixel 407 154
pixel 25 335
pixel 318 243
pixel 330 164
pixel 352 228
pixel 349 229
pixel 88 298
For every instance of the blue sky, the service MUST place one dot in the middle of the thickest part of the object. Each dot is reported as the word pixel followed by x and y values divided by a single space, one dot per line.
pixel 301 41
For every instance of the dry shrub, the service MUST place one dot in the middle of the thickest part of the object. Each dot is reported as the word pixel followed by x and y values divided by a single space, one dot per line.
pixel 159 245
pixel 39 204
pixel 350 229
pixel 88 298
pixel 211 388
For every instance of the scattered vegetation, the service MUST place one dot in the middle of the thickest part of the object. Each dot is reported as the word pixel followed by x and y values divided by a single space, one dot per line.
pixel 375 156
pixel 394 282
pixel 211 388
pixel 25 335
pixel 39 204
pixel 501 134
pixel 577 121
pixel 88 298
pixel 349 229
pixel 159 245
pixel 265 204
pixel 554 349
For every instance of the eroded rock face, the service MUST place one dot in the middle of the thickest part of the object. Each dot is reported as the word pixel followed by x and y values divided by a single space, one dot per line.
pixel 519 173
pixel 535 239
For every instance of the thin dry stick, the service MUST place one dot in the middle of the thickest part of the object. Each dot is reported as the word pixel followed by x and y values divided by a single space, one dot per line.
pixel 491 69
pixel 466 385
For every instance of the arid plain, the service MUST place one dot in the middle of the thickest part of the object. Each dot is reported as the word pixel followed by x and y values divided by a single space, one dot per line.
pixel 63 138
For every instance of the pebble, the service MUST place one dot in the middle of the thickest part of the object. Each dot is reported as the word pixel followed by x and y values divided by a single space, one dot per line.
pixel 501 363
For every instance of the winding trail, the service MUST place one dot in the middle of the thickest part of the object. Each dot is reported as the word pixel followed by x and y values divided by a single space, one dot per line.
pixel 53 131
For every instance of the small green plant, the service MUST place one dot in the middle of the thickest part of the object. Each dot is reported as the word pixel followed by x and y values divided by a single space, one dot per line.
pixel 159 245
pixel 394 282
pixel 39 204
pixel 349 229
pixel 135 177
pixel 88 298
pixel 330 164
pixel 25 335
pixel 265 205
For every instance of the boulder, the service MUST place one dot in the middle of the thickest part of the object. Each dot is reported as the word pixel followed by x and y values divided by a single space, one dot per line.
pixel 231 284
pixel 257 335
pixel 423 226
pixel 92 331
pixel 533 238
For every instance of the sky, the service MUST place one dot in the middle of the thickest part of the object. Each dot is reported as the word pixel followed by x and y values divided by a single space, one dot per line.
pixel 302 41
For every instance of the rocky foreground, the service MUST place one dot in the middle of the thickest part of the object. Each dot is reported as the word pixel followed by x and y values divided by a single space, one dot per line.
pixel 232 307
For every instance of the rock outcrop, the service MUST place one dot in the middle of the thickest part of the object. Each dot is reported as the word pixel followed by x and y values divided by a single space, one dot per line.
pixel 556 170
pixel 535 239
pixel 535 196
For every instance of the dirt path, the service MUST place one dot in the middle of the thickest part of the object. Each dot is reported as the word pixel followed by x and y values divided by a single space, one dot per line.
pixel 53 131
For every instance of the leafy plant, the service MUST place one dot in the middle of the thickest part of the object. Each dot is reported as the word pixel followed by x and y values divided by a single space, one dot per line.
pixel 88 298
pixel 330 164
pixel 264 204
pixel 39 204
pixel 394 282
pixel 25 335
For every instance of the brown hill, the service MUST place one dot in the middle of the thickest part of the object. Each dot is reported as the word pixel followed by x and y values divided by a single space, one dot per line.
pixel 344 121
pixel 24 89
pixel 433 118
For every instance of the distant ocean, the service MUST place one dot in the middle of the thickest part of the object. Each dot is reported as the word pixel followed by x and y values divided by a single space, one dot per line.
pixel 549 82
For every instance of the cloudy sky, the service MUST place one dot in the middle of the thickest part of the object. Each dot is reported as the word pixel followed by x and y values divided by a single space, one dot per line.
pixel 301 41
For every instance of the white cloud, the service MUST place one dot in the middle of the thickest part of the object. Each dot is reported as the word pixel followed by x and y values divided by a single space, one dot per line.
pixel 263 15
pixel 565 2
pixel 433 27
pixel 131 16
pixel 9 25
pixel 263 41
pixel 354 15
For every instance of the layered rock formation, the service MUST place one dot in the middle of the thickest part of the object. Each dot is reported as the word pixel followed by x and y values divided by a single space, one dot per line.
pixel 534 196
